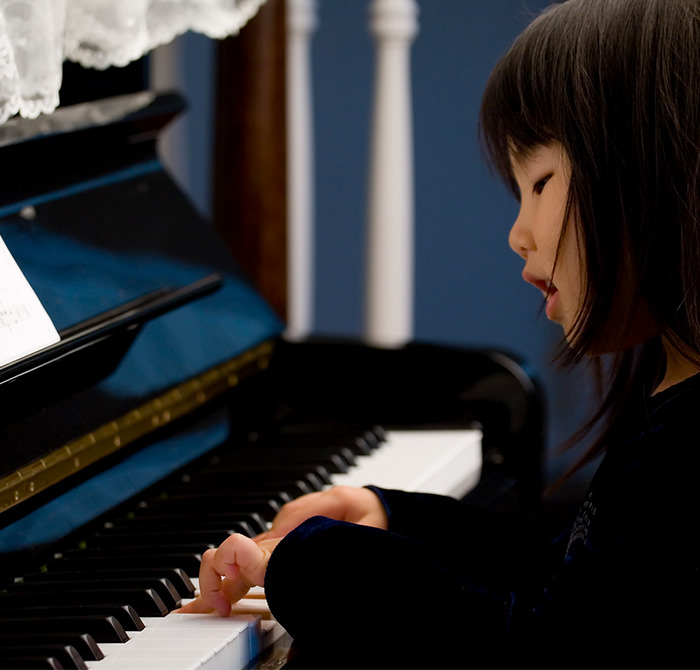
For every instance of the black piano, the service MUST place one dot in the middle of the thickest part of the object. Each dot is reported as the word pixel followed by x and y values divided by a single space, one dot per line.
pixel 173 392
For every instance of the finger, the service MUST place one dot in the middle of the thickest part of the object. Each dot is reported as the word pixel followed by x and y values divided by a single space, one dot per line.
pixel 210 584
pixel 294 513
pixel 227 573
pixel 241 560
pixel 345 503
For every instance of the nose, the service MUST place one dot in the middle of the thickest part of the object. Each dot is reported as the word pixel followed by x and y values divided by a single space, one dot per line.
pixel 520 238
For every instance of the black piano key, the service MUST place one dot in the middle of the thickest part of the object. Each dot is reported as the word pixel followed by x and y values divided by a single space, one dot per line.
pixel 359 446
pixel 145 601
pixel 316 454
pixel 203 538
pixel 157 585
pixel 84 643
pixel 157 519
pixel 252 467
pixel 335 459
pixel 331 432
pixel 102 628
pixel 65 654
pixel 136 537
pixel 188 562
pixel 255 459
pixel 175 576
pixel 237 499
pixel 334 463
pixel 288 451
pixel 194 502
pixel 189 524
pixel 237 487
pixel 148 550
pixel 230 479
pixel 249 476
pixel 149 555
pixel 31 662
pixel 372 435
pixel 158 522
pixel 164 534
pixel 124 614
pixel 290 486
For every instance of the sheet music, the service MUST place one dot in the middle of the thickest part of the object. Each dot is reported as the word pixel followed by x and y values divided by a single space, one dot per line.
pixel 25 327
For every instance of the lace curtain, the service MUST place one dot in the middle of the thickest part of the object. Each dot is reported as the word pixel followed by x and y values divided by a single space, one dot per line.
pixel 36 36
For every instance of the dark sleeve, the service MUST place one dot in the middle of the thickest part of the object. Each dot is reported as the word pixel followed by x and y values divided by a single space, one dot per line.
pixel 498 550
pixel 344 591
pixel 429 517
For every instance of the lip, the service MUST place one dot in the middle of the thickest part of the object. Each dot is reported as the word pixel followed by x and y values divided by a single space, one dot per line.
pixel 541 284
pixel 548 290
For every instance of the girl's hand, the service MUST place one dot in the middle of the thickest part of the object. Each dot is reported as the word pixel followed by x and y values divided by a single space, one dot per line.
pixel 239 563
pixel 342 503
pixel 228 572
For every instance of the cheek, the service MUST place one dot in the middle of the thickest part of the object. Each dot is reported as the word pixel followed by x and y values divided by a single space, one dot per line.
pixel 570 271
pixel 574 281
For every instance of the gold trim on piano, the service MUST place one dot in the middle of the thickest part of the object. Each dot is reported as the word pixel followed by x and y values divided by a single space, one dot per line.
pixel 109 438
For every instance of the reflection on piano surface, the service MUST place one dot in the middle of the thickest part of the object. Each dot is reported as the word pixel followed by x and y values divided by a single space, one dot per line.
pixel 172 414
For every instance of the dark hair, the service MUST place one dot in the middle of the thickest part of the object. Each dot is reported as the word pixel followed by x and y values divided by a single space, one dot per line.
pixel 617 84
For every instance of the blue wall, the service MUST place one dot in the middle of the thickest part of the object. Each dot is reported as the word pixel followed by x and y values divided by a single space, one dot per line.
pixel 464 267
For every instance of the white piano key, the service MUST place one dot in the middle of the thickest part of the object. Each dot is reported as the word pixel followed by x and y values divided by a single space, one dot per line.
pixel 186 642
pixel 436 461
pixel 254 604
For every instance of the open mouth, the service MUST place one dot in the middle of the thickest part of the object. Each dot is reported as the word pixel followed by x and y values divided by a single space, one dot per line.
pixel 546 287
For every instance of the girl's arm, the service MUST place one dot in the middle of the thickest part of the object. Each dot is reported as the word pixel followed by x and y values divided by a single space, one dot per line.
pixel 364 597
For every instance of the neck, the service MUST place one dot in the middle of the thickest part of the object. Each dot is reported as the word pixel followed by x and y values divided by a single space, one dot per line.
pixel 678 367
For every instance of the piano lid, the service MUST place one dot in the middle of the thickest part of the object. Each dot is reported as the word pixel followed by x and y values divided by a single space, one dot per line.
pixel 96 224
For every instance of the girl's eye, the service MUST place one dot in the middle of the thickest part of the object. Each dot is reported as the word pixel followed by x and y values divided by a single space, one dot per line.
pixel 539 186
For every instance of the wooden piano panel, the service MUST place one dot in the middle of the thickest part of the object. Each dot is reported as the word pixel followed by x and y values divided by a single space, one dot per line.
pixel 249 204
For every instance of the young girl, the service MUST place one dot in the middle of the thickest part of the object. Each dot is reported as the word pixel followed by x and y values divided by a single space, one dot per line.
pixel 593 120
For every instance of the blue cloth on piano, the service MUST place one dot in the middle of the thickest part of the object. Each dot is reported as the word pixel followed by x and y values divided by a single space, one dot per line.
pixel 75 281
pixel 103 491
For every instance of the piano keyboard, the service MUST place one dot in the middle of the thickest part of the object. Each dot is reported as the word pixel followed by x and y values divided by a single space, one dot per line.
pixel 149 556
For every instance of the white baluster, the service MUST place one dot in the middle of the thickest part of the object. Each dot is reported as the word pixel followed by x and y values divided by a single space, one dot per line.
pixel 390 265
pixel 301 21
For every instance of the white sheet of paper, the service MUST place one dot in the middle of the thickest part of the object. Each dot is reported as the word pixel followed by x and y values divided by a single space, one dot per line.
pixel 25 327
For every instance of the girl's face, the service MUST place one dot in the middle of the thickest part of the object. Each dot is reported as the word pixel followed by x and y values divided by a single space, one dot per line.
pixel 543 180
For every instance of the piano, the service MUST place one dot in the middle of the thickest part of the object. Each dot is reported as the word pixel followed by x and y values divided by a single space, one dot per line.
pixel 173 392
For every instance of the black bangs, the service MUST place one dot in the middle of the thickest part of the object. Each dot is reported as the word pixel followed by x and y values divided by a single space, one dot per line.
pixel 526 99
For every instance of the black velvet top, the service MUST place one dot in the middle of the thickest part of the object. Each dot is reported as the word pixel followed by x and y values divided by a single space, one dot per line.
pixel 452 585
